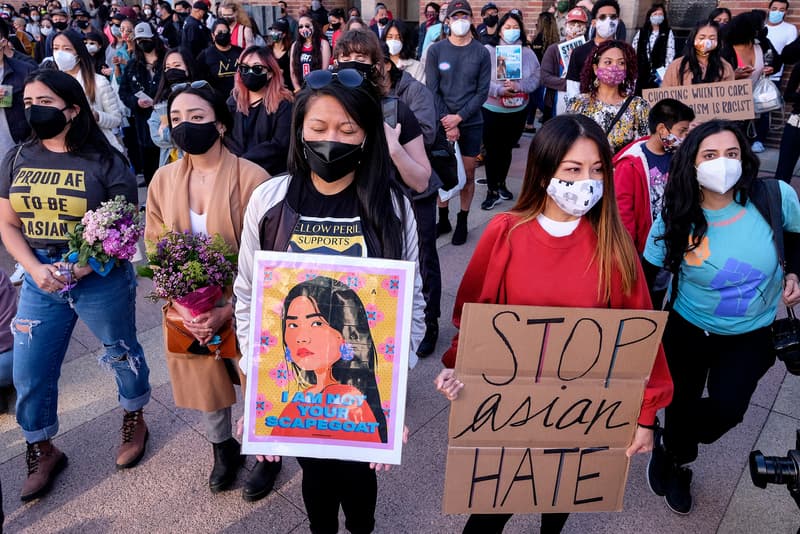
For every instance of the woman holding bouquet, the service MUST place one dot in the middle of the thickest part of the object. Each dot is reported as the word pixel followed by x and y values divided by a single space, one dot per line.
pixel 205 192
pixel 341 177
pixel 82 170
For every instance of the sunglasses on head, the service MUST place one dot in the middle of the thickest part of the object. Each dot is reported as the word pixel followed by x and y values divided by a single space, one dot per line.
pixel 258 70
pixel 318 79
pixel 199 84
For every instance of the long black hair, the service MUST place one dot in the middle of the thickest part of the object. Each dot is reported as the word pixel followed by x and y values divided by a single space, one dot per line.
pixel 376 186
pixel 714 70
pixel 316 48
pixel 85 60
pixel 743 29
pixel 192 72
pixel 343 310
pixel 215 99
pixel 407 52
pixel 84 137
pixel 682 212
pixel 657 56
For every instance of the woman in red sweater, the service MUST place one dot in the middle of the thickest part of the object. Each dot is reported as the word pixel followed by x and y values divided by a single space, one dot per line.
pixel 563 244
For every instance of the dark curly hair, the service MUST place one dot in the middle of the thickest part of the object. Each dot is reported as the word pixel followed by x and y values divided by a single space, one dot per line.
pixel 588 77
pixel 683 212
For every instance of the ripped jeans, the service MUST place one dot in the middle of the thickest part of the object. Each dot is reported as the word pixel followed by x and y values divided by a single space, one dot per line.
pixel 42 330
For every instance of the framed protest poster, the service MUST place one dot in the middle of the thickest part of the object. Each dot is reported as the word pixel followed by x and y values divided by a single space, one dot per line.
pixel 329 338
pixel 550 403
pixel 509 62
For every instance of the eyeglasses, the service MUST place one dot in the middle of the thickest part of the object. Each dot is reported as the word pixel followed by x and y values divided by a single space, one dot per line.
pixel 318 79
pixel 604 17
pixel 258 70
pixel 199 84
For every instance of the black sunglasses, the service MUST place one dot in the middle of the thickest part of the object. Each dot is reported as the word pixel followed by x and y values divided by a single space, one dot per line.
pixel 258 70
pixel 199 84
pixel 348 77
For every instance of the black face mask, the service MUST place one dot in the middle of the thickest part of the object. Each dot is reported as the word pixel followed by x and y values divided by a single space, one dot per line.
pixel 195 138
pixel 46 121
pixel 255 82
pixel 82 24
pixel 491 20
pixel 223 39
pixel 146 46
pixel 363 68
pixel 174 76
pixel 60 26
pixel 332 160
pixel 335 25
pixel 383 21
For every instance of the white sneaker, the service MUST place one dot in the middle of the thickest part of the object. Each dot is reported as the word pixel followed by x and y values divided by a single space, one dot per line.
pixel 758 147
pixel 18 275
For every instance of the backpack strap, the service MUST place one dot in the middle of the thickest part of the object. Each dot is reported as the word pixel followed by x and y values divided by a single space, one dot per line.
pixel 766 195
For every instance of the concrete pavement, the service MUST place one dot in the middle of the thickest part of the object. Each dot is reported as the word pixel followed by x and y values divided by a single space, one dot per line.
pixel 168 491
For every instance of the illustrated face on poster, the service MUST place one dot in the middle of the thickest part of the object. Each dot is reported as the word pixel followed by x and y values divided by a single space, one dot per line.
pixel 329 357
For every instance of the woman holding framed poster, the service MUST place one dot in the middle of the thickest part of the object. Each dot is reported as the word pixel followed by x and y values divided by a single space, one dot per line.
pixel 340 199
pixel 563 244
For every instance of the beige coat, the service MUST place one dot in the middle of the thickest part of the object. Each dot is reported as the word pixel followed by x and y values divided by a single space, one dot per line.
pixel 671 76
pixel 201 382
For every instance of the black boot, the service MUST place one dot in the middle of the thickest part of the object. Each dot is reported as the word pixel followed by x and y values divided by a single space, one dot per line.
pixel 460 234
pixel 261 480
pixel 227 461
pixel 443 226
pixel 428 343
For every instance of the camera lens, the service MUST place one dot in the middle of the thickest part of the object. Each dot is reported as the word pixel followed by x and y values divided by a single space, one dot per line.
pixel 772 469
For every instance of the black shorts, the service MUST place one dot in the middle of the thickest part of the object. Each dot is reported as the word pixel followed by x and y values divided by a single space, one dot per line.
pixel 469 139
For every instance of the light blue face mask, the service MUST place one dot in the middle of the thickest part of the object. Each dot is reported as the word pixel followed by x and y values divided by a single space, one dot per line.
pixel 511 35
pixel 776 17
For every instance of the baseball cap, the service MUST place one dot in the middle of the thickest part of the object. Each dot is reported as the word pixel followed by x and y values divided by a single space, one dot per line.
pixel 577 15
pixel 80 13
pixel 200 5
pixel 280 25
pixel 487 7
pixel 143 30
pixel 459 6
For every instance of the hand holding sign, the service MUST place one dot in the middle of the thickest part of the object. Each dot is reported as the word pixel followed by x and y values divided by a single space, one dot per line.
pixel 447 384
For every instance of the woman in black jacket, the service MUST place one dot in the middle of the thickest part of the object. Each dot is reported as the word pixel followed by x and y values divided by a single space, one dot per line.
pixel 136 90
pixel 262 111
pixel 655 48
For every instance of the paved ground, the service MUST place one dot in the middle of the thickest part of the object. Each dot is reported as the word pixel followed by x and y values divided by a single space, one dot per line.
pixel 168 491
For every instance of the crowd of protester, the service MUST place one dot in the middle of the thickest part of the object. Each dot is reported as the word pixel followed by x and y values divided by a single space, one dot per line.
pixel 244 132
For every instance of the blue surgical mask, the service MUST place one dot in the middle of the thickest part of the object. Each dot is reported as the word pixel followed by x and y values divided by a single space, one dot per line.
pixel 776 17
pixel 511 35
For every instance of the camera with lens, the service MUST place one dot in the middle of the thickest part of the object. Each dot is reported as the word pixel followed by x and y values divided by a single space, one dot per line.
pixel 778 470
pixel 786 340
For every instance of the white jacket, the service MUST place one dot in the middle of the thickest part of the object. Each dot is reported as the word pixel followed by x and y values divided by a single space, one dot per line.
pixel 107 106
pixel 265 197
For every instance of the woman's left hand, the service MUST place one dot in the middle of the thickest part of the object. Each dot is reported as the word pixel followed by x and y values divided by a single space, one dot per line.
pixel 510 87
pixel 386 467
pixel 392 137
pixel 791 290
pixel 205 325
pixel 642 442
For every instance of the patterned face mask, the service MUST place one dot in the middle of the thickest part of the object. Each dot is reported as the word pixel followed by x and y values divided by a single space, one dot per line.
pixel 671 142
pixel 575 198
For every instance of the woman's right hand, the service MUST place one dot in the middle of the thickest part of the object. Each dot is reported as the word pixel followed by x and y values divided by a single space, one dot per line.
pixel 447 384
pixel 259 457
pixel 144 103
pixel 45 277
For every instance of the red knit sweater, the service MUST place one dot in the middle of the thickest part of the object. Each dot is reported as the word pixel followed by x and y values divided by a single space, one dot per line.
pixel 532 268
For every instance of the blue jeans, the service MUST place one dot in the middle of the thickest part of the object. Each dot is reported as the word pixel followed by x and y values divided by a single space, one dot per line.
pixel 42 330
pixel 6 363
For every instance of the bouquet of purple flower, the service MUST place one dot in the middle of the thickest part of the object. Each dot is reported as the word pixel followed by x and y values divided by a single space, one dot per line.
pixel 106 235
pixel 190 268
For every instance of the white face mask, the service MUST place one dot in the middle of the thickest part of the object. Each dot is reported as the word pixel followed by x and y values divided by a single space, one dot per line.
pixel 92 48
pixel 460 27
pixel 46 30
pixel 656 20
pixel 606 28
pixel 719 175
pixel 395 46
pixel 575 198
pixel 66 61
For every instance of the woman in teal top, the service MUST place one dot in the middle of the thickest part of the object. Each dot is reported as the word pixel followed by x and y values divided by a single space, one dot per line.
pixel 715 240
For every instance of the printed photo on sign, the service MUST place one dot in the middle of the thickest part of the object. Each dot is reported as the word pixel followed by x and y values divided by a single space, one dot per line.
pixel 509 62
pixel 565 51
pixel 329 342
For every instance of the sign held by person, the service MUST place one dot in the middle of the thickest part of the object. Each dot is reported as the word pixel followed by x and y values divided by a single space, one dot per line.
pixel 721 100
pixel 329 345
pixel 550 403
pixel 509 62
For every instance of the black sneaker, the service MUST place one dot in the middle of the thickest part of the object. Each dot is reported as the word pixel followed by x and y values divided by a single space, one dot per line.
pixel 678 493
pixel 428 343
pixel 261 480
pixel 658 468
pixel 443 227
pixel 492 200
pixel 481 181
pixel 504 193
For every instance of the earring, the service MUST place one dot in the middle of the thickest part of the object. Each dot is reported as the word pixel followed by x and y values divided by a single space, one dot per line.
pixel 287 354
pixel 596 83
pixel 346 352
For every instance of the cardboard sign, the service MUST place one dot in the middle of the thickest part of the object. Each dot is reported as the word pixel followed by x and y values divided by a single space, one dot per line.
pixel 565 51
pixel 550 402
pixel 723 100
pixel 329 344
pixel 509 62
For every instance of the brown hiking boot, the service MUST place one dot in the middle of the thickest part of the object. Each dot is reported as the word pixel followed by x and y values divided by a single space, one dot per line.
pixel 44 461
pixel 134 437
